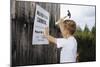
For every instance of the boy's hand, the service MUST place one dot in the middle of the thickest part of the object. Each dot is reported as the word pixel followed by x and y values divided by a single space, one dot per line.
pixel 60 20
pixel 46 32
pixel 49 37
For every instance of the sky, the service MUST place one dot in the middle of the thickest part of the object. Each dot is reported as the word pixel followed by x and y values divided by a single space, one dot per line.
pixel 82 15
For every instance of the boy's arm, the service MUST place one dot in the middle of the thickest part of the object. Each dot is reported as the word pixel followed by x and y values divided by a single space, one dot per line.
pixel 49 37
pixel 46 32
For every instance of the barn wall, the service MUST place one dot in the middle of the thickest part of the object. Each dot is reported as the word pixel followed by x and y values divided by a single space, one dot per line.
pixel 22 22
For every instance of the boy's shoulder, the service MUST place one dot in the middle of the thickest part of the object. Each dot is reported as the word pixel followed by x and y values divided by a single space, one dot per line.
pixel 72 37
pixel 69 39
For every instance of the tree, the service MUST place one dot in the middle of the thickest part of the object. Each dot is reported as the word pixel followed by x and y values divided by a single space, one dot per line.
pixel 93 31
pixel 86 29
pixel 78 29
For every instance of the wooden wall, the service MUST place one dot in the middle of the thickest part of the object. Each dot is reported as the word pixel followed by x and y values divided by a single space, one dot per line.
pixel 22 21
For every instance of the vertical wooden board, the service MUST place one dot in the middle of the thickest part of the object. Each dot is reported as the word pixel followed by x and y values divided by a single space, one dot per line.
pixel 26 53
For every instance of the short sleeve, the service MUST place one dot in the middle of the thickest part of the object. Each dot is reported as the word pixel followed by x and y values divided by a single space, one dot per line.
pixel 68 43
pixel 59 42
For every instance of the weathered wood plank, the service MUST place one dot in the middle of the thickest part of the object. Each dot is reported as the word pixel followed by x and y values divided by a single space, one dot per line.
pixel 22 31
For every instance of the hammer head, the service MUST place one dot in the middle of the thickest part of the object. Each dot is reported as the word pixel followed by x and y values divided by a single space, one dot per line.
pixel 69 14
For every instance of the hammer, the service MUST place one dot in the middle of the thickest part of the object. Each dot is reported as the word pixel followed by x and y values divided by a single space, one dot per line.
pixel 64 18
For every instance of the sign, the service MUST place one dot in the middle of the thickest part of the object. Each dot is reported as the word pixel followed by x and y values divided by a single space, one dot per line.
pixel 40 22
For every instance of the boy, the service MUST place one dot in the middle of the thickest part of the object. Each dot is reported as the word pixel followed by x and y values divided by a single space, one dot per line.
pixel 68 42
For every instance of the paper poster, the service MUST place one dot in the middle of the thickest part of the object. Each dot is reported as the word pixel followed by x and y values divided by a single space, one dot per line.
pixel 40 22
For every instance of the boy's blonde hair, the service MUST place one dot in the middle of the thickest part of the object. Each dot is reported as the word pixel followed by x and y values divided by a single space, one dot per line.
pixel 70 25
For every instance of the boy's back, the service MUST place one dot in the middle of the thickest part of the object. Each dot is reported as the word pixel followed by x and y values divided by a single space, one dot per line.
pixel 69 49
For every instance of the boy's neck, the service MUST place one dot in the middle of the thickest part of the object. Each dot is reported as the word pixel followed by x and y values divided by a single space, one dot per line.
pixel 68 35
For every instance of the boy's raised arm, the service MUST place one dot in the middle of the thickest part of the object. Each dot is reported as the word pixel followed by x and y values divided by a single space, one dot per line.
pixel 46 32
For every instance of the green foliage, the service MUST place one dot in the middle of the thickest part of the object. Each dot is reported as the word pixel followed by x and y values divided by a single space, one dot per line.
pixel 93 30
pixel 78 29
pixel 86 29
pixel 86 44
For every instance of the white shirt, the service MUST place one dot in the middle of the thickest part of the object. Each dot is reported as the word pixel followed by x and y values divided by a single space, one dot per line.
pixel 69 49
